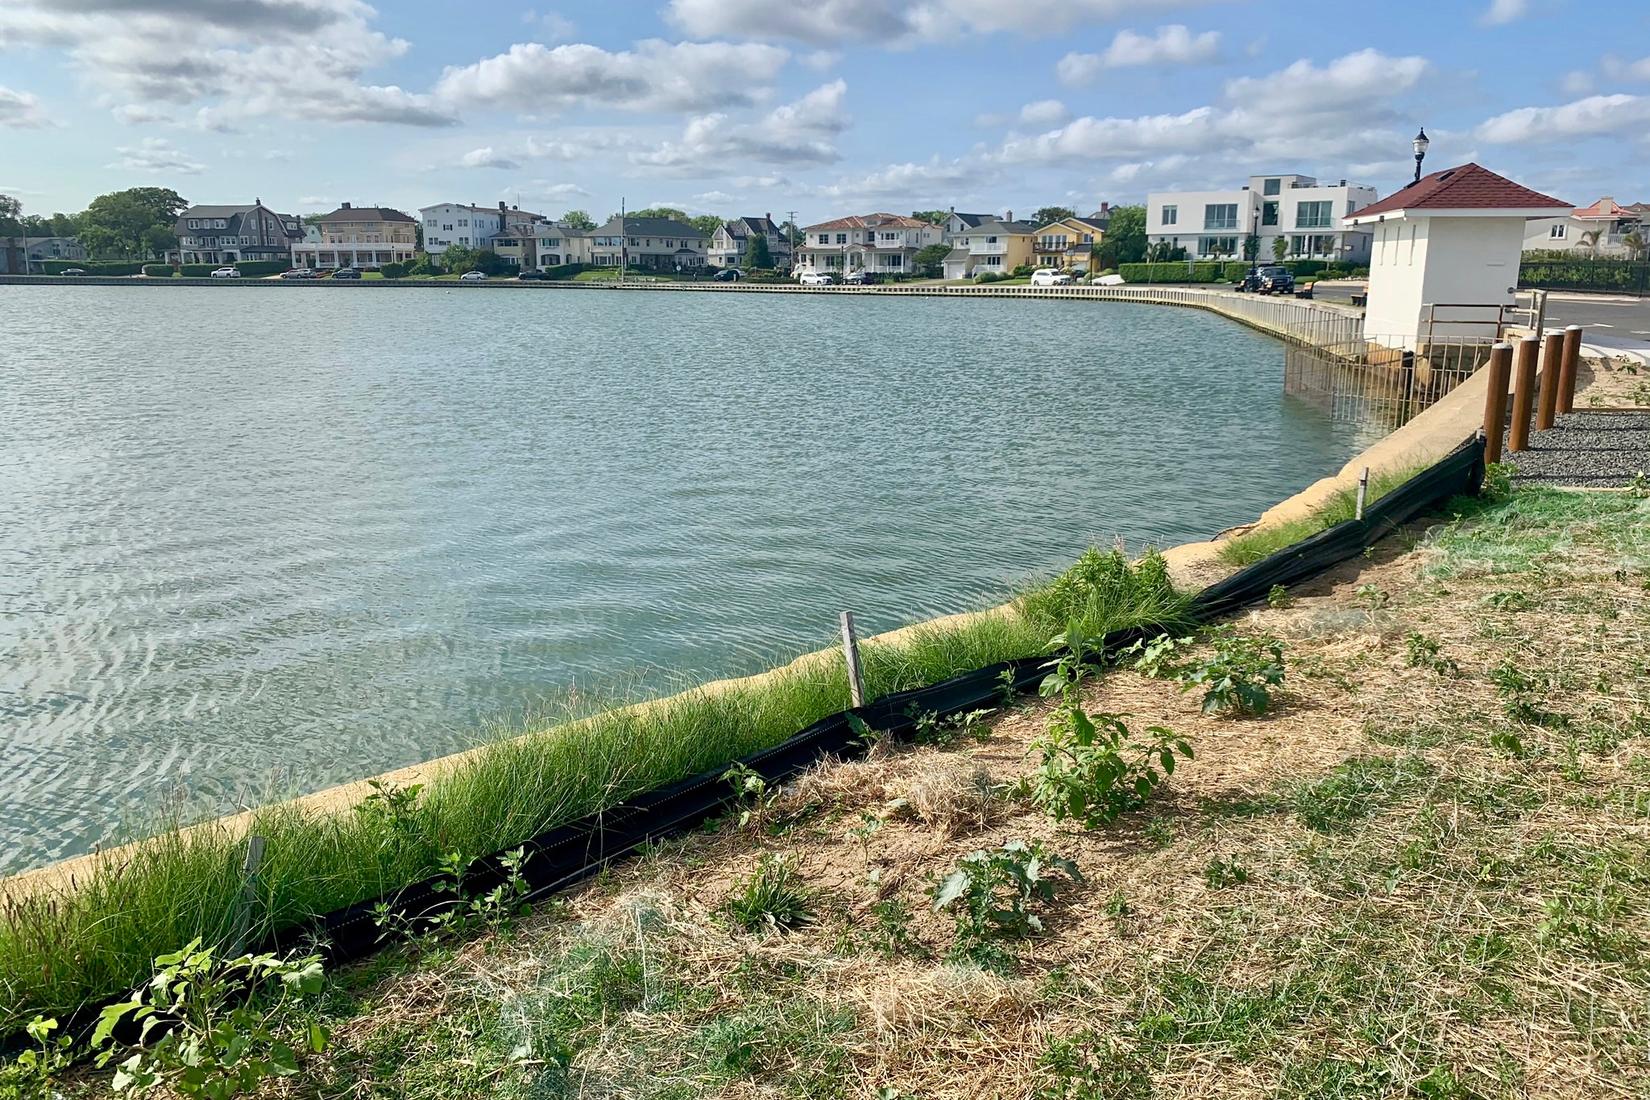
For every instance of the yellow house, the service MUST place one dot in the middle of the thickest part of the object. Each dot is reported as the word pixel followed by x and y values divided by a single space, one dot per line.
pixel 998 246
pixel 1068 243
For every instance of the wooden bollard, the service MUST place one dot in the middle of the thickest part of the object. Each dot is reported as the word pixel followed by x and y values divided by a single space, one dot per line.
pixel 1567 369
pixel 1546 408
pixel 1518 433
pixel 1495 402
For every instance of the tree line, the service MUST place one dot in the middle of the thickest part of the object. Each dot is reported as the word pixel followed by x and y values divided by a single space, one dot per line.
pixel 134 224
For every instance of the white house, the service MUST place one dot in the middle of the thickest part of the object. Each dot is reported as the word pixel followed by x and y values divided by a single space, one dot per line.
pixel 961 225
pixel 449 223
pixel 1446 254
pixel 728 243
pixel 1606 228
pixel 1212 224
pixel 883 243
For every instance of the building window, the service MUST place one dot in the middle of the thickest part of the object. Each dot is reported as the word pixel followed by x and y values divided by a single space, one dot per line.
pixel 992 261
pixel 1217 246
pixel 1220 215
pixel 1171 215
pixel 1271 187
pixel 896 260
pixel 842 238
pixel 1314 215
pixel 1269 213
pixel 1558 232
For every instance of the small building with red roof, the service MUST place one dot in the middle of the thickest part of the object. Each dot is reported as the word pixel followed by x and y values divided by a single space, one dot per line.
pixel 1444 260
pixel 1604 228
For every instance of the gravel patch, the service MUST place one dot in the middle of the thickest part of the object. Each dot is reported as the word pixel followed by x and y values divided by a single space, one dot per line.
pixel 1593 449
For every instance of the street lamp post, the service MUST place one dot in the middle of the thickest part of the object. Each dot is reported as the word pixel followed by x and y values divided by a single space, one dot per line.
pixel 1420 146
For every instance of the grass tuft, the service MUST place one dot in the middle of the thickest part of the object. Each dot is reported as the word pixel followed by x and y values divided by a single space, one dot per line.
pixel 1248 548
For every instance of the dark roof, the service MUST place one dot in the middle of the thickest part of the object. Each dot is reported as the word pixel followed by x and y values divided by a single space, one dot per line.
pixel 649 227
pixel 972 220
pixel 215 211
pixel 234 215
pixel 1006 228
pixel 364 214
pixel 744 227
pixel 1465 187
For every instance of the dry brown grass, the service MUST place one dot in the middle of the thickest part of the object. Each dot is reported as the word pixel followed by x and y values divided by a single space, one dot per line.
pixel 1423 913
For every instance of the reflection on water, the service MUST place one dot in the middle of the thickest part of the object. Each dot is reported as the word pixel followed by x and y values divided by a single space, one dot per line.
pixel 272 539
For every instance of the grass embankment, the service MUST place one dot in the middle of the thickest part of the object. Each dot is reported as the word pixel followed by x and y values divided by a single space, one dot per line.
pixel 61 950
pixel 1424 873
pixel 1253 545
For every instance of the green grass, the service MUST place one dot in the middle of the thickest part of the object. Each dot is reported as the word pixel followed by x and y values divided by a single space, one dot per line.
pixel 1539 528
pixel 57 952
pixel 1104 591
pixel 1249 548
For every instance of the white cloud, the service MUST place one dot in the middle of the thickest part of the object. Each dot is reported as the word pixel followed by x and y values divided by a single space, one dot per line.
pixel 552 26
pixel 1174 44
pixel 558 192
pixel 283 58
pixel 1576 82
pixel 487 157
pixel 655 76
pixel 1590 117
pixel 802 132
pixel 21 110
pixel 896 22
pixel 1357 78
pixel 714 198
pixel 916 185
pixel 1502 12
pixel 1044 112
pixel 820 60
pixel 156 155
pixel 1617 69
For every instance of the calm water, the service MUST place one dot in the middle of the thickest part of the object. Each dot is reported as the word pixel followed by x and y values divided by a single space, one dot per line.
pixel 265 541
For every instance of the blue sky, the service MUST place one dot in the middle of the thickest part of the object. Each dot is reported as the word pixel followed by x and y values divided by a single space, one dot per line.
pixel 825 107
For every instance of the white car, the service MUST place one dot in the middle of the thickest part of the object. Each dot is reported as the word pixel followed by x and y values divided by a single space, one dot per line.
pixel 472 277
pixel 1047 276
pixel 816 278
pixel 226 273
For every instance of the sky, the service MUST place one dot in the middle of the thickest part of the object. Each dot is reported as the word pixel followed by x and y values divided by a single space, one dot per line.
pixel 823 107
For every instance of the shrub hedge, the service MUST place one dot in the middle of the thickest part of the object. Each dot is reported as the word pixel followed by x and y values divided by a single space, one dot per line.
pixel 395 270
pixel 565 271
pixel 158 271
pixel 1586 274
pixel 257 269
pixel 1231 271
pixel 198 271
pixel 90 267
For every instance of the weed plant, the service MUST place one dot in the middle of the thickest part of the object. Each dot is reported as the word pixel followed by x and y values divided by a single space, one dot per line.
pixel 1250 547
pixel 1103 592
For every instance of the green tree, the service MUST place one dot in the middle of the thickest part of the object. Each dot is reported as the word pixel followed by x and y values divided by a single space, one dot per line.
pixel 11 217
pixel 1047 214
pixel 124 223
pixel 456 259
pixel 656 212
pixel 933 217
pixel 578 219
pixel 1634 243
pixel 1125 240
pixel 931 260
pixel 1280 247
pixel 707 224
pixel 757 255
pixel 1251 246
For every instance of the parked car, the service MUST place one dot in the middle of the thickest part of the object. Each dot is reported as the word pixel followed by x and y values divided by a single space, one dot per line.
pixel 226 273
pixel 1048 276
pixel 472 277
pixel 816 278
pixel 298 273
pixel 860 278
pixel 74 271
pixel 346 273
pixel 727 275
pixel 1268 280
pixel 527 276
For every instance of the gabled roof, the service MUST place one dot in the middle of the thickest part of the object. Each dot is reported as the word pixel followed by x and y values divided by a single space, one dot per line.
pixel 744 227
pixel 1465 187
pixel 649 227
pixel 872 221
pixel 973 221
pixel 1006 229
pixel 215 211
pixel 364 214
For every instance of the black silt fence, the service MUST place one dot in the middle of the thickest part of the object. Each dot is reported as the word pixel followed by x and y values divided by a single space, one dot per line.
pixel 570 853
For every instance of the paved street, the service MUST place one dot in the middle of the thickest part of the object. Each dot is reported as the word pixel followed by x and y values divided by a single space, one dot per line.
pixel 1609 321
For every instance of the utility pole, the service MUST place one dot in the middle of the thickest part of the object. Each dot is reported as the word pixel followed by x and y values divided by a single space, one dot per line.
pixel 624 244
pixel 790 219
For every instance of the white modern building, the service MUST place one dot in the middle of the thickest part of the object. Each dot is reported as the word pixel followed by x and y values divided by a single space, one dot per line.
pixel 1446 254
pixel 470 226
pixel 1212 225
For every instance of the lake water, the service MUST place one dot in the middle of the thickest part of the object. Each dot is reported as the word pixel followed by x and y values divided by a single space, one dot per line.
pixel 258 541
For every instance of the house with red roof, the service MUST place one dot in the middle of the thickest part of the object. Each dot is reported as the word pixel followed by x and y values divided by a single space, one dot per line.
pixel 1604 228
pixel 1445 254
pixel 884 244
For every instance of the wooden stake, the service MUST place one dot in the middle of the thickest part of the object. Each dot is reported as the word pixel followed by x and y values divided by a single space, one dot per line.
pixel 1547 407
pixel 1363 491
pixel 249 889
pixel 1495 401
pixel 1518 435
pixel 1567 369
pixel 850 654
